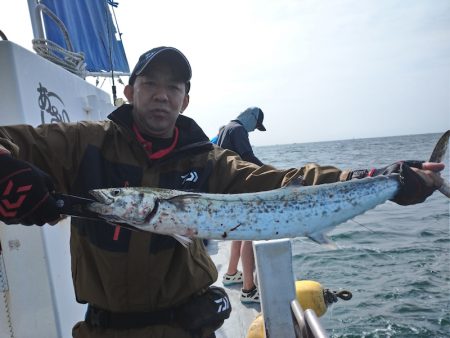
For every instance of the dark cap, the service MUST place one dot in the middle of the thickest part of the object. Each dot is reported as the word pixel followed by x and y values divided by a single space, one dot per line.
pixel 172 55
pixel 259 121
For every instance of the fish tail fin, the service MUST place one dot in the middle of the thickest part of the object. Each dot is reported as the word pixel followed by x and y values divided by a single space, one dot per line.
pixel 439 151
pixel 440 148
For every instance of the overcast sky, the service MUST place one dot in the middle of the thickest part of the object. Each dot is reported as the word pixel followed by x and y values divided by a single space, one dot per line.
pixel 319 69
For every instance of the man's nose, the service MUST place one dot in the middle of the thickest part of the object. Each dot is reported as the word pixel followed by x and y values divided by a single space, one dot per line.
pixel 160 93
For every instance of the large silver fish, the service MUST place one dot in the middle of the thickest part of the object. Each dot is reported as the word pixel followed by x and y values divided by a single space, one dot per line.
pixel 288 212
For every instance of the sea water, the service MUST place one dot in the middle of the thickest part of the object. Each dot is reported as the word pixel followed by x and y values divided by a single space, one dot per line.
pixel 395 260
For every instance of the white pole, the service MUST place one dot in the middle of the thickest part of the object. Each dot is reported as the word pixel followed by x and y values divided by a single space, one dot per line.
pixel 276 286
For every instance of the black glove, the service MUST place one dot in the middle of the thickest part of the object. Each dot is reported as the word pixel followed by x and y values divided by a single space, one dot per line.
pixel 25 193
pixel 413 188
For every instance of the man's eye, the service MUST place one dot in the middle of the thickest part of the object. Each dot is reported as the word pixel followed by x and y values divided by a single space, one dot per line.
pixel 175 87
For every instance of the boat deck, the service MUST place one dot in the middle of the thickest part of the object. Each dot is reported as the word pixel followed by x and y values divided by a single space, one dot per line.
pixel 242 315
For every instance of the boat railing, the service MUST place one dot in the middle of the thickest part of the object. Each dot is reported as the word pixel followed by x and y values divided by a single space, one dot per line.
pixel 63 53
pixel 65 57
pixel 308 324
pixel 282 313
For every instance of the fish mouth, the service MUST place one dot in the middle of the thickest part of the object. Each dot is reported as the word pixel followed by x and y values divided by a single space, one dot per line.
pixel 101 197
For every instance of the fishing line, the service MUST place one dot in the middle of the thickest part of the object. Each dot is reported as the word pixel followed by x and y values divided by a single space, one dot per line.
pixel 365 227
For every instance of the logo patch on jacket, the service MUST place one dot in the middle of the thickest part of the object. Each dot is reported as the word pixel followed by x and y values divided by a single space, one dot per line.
pixel 189 179
pixel 191 176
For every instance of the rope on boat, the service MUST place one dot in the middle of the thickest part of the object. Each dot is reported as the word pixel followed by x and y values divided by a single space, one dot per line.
pixel 71 61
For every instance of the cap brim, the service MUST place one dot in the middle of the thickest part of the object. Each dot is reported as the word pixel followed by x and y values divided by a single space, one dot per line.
pixel 261 127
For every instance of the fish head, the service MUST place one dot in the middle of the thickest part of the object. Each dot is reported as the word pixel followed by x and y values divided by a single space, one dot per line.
pixel 124 205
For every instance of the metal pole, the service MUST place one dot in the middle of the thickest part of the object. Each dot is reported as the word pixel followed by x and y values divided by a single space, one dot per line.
pixel 36 19
pixel 313 323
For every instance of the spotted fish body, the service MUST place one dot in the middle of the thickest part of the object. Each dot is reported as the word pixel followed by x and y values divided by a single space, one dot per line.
pixel 287 212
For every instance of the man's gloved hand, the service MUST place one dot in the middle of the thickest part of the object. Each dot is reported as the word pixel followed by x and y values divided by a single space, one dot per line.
pixel 413 188
pixel 25 193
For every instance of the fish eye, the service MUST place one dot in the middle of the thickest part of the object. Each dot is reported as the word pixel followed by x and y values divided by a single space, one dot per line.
pixel 115 192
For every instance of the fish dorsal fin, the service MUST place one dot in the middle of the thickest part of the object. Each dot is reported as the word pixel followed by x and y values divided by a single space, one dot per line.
pixel 181 196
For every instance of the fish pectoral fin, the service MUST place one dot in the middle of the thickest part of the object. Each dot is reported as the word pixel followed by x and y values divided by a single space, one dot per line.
pixel 295 183
pixel 321 239
pixel 185 241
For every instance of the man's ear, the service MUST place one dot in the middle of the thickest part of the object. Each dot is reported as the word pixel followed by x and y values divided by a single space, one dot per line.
pixel 129 91
pixel 185 103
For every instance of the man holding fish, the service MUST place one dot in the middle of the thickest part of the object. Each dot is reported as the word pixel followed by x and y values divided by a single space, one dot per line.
pixel 146 284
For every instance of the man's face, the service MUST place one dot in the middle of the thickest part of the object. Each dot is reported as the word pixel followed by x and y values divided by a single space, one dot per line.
pixel 157 100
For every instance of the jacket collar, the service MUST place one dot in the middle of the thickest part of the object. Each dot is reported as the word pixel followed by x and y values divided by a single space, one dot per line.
pixel 189 131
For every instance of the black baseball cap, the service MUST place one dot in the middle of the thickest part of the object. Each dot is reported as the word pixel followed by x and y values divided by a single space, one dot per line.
pixel 172 55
